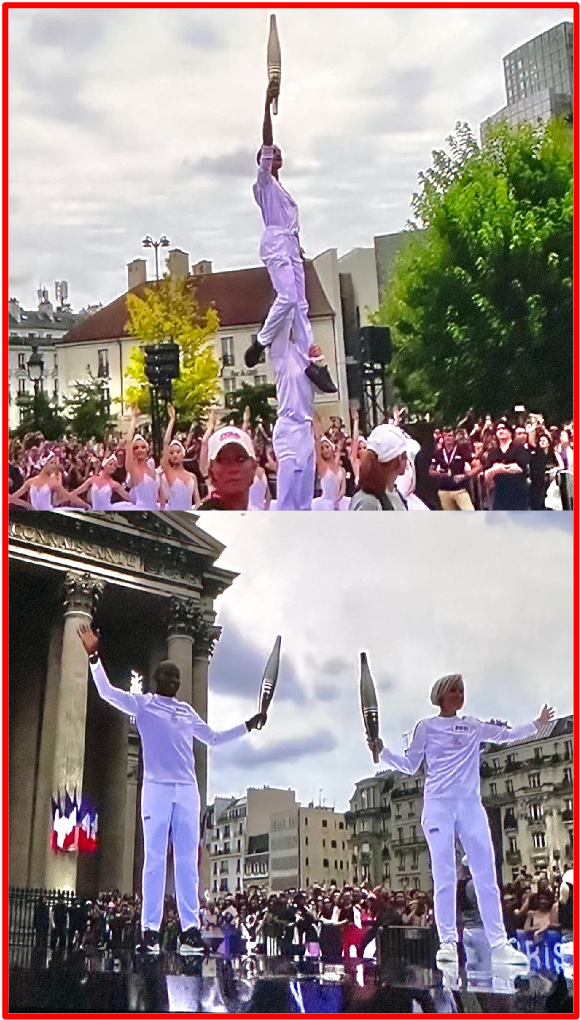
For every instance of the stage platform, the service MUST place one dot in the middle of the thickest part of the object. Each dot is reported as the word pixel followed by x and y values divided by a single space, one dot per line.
pixel 259 984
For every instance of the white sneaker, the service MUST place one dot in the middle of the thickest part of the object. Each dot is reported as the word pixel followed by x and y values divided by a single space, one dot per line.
pixel 507 954
pixel 447 953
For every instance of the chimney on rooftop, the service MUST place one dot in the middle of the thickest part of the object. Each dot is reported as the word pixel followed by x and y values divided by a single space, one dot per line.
pixel 178 263
pixel 202 268
pixel 136 273
pixel 14 308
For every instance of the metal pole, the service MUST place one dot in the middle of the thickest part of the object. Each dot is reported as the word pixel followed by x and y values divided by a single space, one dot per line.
pixel 156 246
pixel 35 405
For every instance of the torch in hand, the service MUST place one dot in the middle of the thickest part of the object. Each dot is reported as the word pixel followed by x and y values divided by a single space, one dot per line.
pixel 273 59
pixel 269 678
pixel 369 706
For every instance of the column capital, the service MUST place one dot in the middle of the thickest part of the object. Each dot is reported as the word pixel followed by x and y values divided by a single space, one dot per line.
pixel 206 639
pixel 81 592
pixel 183 617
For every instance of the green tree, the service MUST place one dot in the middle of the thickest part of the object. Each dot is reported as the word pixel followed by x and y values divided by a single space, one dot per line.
pixel 88 414
pixel 481 300
pixel 170 312
pixel 45 417
pixel 257 399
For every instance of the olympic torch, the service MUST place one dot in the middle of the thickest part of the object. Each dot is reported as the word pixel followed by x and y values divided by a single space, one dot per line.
pixel 273 59
pixel 369 706
pixel 269 678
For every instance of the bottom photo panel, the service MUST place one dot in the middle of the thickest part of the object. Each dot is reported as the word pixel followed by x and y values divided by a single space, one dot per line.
pixel 290 763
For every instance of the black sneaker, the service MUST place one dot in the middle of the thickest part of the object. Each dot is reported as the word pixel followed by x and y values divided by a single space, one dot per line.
pixel 253 354
pixel 320 377
pixel 150 942
pixel 191 942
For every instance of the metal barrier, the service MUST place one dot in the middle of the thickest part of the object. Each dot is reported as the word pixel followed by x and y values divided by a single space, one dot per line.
pixel 30 928
pixel 415 947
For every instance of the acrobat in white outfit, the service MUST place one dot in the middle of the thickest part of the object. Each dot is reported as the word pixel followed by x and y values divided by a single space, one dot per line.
pixel 287 331
pixel 170 797
pixel 449 745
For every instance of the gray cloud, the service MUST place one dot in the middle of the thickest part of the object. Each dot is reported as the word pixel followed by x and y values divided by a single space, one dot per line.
pixel 326 692
pixel 238 665
pixel 291 749
pixel 71 30
pixel 200 34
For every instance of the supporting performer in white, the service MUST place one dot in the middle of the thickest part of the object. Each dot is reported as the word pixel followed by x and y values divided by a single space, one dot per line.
pixel 449 744
pixel 170 797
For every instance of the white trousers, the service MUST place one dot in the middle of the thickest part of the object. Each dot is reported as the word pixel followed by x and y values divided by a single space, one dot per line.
pixel 175 807
pixel 443 819
pixel 294 447
pixel 280 253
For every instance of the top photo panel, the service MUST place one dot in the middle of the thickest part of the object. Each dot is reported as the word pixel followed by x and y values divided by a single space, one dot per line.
pixel 317 260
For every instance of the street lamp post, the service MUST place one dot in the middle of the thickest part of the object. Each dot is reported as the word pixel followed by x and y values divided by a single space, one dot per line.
pixel 148 242
pixel 35 366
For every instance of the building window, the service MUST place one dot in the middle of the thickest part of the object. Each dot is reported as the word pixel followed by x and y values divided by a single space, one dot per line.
pixel 538 754
pixel 228 351
pixel 509 786
pixel 400 835
pixel 539 841
pixel 21 359
pixel 215 867
pixel 341 825
pixel 535 812
pixel 226 831
pixel 324 842
pixel 55 390
pixel 325 862
pixel 567 775
pixel 22 385
pixel 493 789
pixel 239 845
pixel 512 844
pixel 495 764
pixel 535 780
pixel 306 821
pixel 306 862
pixel 341 865
pixel 568 749
pixel 226 848
pixel 103 364
pixel 324 823
pixel 333 844
pixel 306 840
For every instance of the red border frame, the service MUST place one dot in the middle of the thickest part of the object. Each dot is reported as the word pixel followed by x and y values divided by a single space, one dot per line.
pixel 6 7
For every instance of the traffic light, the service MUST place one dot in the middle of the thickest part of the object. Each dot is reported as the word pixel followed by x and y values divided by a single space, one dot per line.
pixel 162 364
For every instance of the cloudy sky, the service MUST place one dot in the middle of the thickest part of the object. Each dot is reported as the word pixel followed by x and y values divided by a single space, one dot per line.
pixel 134 121
pixel 488 595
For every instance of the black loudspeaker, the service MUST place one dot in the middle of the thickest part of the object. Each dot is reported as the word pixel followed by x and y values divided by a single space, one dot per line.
pixel 375 345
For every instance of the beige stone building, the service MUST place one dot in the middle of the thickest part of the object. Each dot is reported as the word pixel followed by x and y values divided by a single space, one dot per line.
pixel 242 298
pixel 149 582
pixel 527 788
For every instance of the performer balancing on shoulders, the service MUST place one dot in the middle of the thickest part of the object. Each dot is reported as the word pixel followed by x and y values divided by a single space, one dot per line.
pixel 450 746
pixel 170 797
pixel 287 332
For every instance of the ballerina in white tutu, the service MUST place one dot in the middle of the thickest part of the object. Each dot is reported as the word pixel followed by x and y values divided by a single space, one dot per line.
pixel 46 490
pixel 102 486
pixel 331 474
pixel 179 485
pixel 144 481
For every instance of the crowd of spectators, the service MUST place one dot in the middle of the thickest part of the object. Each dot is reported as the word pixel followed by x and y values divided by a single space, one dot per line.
pixel 480 464
pixel 329 923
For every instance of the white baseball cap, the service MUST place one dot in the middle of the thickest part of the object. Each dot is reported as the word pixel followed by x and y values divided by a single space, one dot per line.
pixel 387 442
pixel 226 435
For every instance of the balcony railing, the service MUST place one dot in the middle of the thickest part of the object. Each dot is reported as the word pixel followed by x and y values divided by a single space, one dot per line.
pixel 513 857
pixel 536 821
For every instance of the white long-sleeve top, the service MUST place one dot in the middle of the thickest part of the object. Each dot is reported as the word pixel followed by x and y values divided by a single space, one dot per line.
pixel 451 750
pixel 278 208
pixel 167 728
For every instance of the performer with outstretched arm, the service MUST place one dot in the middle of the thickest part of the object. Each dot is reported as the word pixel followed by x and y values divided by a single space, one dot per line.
pixel 287 332
pixel 450 746
pixel 170 797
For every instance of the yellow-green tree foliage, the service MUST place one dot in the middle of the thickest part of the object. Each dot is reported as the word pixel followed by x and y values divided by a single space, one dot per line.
pixel 170 312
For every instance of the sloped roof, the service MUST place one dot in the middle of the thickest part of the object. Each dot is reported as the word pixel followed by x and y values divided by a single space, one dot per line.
pixel 241 296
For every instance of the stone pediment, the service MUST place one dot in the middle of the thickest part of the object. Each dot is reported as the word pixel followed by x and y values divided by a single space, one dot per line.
pixel 146 548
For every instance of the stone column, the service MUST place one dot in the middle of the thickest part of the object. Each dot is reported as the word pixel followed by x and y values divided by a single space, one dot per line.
pixel 182 627
pixel 81 592
pixel 204 642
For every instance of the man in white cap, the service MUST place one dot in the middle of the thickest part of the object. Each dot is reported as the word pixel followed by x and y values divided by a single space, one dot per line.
pixel 232 468
pixel 170 799
pixel 449 745
pixel 384 460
